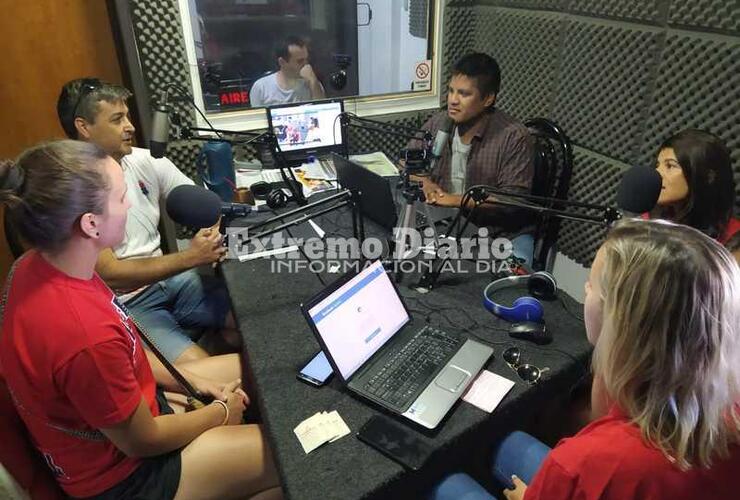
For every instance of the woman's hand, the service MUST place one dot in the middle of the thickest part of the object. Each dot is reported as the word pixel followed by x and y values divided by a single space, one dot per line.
pixel 237 401
pixel 215 389
pixel 519 489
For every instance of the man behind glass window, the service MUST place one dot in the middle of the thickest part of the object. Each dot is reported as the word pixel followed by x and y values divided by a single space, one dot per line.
pixel 487 147
pixel 295 81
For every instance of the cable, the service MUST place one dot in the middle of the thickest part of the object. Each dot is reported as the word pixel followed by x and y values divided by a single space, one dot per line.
pixel 184 93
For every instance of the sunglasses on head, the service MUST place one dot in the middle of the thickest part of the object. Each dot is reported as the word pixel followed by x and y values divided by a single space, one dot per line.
pixel 529 373
pixel 87 86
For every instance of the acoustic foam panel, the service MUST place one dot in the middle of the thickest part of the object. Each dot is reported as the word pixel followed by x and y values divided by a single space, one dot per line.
pixel 365 141
pixel 595 180
pixel 638 10
pixel 162 53
pixel 526 45
pixel 458 37
pixel 698 86
pixel 528 4
pixel 603 86
pixel 722 15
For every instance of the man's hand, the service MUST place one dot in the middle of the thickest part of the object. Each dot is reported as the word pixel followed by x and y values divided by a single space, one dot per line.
pixel 307 73
pixel 207 247
pixel 519 489
pixel 435 195
pixel 429 187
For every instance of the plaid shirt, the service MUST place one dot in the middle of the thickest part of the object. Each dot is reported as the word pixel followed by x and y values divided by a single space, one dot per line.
pixel 501 156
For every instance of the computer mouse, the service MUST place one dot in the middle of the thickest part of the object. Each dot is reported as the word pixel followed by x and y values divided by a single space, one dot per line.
pixel 532 331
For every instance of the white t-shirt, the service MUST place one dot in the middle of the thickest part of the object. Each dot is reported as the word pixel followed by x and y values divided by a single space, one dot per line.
pixel 267 92
pixel 148 180
pixel 459 163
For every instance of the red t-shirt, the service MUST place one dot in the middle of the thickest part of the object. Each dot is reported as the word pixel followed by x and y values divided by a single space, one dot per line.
pixel 73 360
pixel 733 226
pixel 609 460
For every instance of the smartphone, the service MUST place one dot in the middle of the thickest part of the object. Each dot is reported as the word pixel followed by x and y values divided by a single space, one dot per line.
pixel 396 442
pixel 317 372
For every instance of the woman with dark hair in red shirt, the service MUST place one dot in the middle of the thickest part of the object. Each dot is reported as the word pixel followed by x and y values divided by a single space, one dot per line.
pixel 698 187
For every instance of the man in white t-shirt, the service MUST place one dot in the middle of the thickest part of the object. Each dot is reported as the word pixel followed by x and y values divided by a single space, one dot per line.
pixel 295 81
pixel 164 293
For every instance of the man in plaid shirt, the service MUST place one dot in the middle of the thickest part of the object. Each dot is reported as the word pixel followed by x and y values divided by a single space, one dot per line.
pixel 487 146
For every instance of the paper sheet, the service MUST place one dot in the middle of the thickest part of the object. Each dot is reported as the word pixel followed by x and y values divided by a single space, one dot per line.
pixel 487 390
pixel 320 428
pixel 376 162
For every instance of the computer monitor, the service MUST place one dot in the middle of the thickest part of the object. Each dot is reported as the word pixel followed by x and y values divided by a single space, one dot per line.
pixel 308 128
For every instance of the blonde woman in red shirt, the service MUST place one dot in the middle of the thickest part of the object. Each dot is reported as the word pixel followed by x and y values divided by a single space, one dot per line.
pixel 663 308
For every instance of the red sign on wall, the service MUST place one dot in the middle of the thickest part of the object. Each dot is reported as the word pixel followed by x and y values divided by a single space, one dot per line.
pixel 233 98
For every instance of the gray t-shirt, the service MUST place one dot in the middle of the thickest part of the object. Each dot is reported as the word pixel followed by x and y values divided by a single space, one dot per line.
pixel 267 92
pixel 458 164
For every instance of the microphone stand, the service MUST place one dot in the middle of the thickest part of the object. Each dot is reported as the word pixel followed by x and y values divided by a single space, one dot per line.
pixel 482 194
pixel 344 198
pixel 412 192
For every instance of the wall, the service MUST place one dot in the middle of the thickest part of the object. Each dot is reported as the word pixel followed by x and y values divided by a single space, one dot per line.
pixel 619 76
pixel 47 43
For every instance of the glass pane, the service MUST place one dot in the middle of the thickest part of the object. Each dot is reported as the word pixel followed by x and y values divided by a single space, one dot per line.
pixel 254 53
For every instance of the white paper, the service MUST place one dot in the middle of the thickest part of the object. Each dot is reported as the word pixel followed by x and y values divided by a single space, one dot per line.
pixel 320 428
pixel 487 390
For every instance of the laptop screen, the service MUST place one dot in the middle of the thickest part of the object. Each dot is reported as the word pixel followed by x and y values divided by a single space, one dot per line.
pixel 307 126
pixel 358 318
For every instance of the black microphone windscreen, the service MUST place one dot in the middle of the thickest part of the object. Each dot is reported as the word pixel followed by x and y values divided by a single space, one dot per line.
pixel 160 132
pixel 639 190
pixel 193 206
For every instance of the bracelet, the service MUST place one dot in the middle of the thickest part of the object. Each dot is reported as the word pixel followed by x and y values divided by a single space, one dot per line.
pixel 226 417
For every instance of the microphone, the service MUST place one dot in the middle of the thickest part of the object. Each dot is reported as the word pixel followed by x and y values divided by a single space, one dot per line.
pixel 160 131
pixel 197 207
pixel 638 191
pixel 443 135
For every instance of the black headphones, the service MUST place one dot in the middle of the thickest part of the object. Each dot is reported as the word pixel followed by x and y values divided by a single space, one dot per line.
pixel 272 194
pixel 540 284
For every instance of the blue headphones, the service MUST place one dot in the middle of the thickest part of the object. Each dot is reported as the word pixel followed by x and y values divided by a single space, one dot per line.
pixel 540 284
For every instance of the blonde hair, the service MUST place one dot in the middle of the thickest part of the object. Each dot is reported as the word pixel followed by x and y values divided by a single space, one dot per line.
pixel 50 187
pixel 669 352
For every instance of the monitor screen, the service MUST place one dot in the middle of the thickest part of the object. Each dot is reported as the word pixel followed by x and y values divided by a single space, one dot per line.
pixel 307 126
pixel 358 318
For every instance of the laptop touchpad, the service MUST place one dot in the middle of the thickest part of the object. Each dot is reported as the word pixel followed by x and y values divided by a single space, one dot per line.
pixel 451 378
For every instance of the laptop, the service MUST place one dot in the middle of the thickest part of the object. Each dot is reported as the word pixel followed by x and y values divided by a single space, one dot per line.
pixel 307 129
pixel 377 198
pixel 368 336
pixel 378 203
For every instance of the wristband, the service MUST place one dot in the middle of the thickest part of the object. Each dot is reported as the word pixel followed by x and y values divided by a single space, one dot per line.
pixel 226 417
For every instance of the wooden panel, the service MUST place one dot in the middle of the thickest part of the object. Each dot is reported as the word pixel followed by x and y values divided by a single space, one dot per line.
pixel 45 44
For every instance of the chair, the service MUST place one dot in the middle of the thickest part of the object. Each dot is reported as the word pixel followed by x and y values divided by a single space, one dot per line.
pixel 553 168
pixel 18 455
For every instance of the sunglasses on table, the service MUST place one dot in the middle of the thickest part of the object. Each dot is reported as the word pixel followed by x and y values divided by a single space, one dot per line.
pixel 529 373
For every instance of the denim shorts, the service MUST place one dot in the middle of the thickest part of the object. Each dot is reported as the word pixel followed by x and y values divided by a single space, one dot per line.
pixel 173 310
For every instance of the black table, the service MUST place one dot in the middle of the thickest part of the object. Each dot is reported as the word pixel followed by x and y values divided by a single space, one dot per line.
pixel 278 342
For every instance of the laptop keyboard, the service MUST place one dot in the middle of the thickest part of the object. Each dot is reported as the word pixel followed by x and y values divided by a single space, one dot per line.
pixel 400 378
